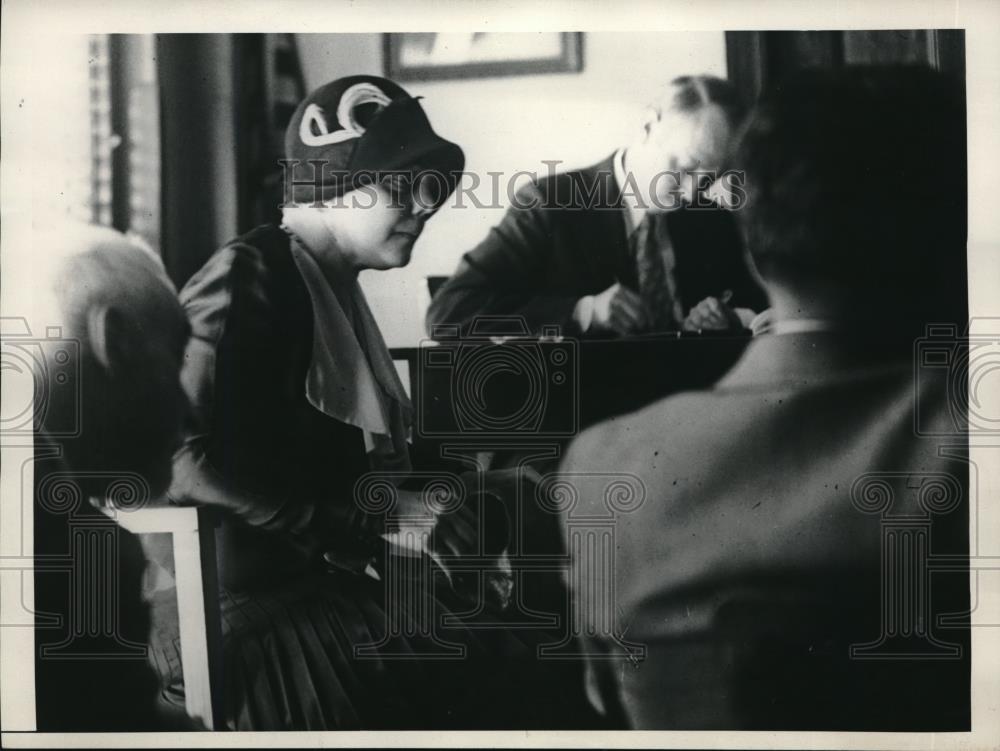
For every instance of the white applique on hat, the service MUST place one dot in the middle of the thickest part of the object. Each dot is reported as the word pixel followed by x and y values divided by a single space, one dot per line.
pixel 355 96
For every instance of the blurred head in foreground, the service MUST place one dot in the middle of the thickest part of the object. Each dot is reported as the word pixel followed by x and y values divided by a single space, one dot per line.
pixel 856 197
pixel 108 296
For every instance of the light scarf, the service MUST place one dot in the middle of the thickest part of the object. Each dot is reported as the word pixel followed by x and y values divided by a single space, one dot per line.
pixel 351 376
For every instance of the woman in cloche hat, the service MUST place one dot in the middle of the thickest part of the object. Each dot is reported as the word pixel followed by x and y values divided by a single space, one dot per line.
pixel 296 400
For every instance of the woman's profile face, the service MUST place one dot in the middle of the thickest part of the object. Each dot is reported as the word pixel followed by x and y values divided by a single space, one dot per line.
pixel 376 226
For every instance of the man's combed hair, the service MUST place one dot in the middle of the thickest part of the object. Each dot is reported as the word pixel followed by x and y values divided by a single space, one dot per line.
pixel 858 178
pixel 691 93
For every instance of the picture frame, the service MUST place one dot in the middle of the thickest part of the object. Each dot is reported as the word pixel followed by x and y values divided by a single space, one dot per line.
pixel 420 56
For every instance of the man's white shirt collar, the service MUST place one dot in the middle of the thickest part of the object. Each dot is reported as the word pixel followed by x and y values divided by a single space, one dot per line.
pixel 634 211
pixel 803 326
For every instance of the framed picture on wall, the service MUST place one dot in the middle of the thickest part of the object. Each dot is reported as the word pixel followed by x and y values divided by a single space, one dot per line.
pixel 419 56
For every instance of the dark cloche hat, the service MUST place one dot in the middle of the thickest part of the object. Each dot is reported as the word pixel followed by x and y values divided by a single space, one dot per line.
pixel 360 126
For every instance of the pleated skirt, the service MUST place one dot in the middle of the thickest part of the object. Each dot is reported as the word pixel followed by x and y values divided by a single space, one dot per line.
pixel 340 651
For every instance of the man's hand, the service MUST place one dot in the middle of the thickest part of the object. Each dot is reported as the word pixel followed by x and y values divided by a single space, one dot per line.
pixel 712 314
pixel 619 310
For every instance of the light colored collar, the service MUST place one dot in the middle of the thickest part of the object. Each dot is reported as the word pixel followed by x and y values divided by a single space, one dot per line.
pixel 306 224
pixel 634 211
pixel 803 326
pixel 351 376
pixel 819 356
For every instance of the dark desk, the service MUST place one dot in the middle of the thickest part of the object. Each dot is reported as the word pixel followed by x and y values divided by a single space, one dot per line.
pixel 528 391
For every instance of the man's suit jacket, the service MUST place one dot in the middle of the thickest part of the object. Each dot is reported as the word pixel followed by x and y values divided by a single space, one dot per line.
pixel 755 561
pixel 564 238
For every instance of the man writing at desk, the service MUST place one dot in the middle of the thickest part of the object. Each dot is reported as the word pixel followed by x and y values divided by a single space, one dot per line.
pixel 628 246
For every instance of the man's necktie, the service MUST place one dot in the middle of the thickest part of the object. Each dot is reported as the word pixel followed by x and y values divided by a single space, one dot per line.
pixel 654 260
